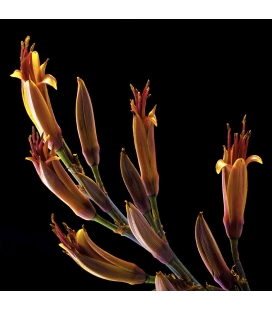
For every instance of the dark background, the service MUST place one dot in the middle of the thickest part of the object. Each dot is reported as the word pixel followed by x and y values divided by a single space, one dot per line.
pixel 203 74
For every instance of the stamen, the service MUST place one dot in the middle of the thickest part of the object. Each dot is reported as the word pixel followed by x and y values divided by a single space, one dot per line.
pixel 244 123
pixel 235 148
pixel 229 143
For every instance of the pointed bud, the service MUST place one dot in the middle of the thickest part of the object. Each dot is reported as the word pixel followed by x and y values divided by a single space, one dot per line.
pixel 146 235
pixel 94 192
pixel 211 254
pixel 162 283
pixel 86 125
pixel 134 183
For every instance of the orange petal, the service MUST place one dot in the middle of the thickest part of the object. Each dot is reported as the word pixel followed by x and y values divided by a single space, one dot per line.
pixel 254 158
pixel 49 80
pixel 220 165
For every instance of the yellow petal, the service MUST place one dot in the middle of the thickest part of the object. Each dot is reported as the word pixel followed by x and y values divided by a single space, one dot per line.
pixel 254 158
pixel 17 74
pixel 220 165
pixel 36 66
pixel 49 80
pixel 152 116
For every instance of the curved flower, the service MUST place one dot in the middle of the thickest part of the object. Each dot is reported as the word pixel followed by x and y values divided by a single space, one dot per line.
pixel 234 180
pixel 35 95
pixel 143 132
pixel 211 255
pixel 54 176
pixel 96 261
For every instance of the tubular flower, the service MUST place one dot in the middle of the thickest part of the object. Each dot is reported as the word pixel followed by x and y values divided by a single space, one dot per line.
pixel 86 125
pixel 134 183
pixel 211 254
pixel 54 176
pixel 96 261
pixel 143 132
pixel 162 283
pixel 146 236
pixel 234 180
pixel 35 95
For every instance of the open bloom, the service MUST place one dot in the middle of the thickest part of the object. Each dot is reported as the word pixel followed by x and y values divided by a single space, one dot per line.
pixel 211 255
pixel 96 261
pixel 54 176
pixel 35 95
pixel 143 132
pixel 234 180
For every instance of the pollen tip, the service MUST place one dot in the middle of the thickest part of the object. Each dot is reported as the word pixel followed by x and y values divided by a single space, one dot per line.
pixel 244 119
pixel 228 126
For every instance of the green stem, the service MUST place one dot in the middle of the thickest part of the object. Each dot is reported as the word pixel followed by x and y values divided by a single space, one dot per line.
pixel 99 219
pixel 97 177
pixel 242 281
pixel 156 216
pixel 150 219
pixel 150 279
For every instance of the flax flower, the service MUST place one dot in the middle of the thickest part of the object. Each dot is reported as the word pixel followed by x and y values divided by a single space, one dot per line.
pixel 96 261
pixel 86 125
pixel 54 176
pixel 143 132
pixel 211 255
pixel 234 180
pixel 146 236
pixel 35 95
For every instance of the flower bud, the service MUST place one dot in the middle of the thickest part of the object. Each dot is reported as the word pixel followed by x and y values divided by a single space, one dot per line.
pixel 134 183
pixel 146 236
pixel 86 125
pixel 211 254
pixel 162 283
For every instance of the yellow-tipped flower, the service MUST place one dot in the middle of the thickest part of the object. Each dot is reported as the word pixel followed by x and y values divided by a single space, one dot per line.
pixel 95 193
pixel 234 180
pixel 86 125
pixel 96 261
pixel 134 183
pixel 211 254
pixel 54 176
pixel 143 132
pixel 162 283
pixel 146 236
pixel 35 95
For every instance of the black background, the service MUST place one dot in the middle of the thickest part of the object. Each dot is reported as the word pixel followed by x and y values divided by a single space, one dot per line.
pixel 203 74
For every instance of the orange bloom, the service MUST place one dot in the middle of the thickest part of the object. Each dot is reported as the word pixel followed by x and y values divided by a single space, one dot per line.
pixel 35 95
pixel 234 180
pixel 96 261
pixel 143 132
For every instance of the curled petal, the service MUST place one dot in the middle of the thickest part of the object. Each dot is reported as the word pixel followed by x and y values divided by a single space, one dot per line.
pixel 152 117
pixel 220 165
pixel 49 80
pixel 254 158
pixel 17 74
